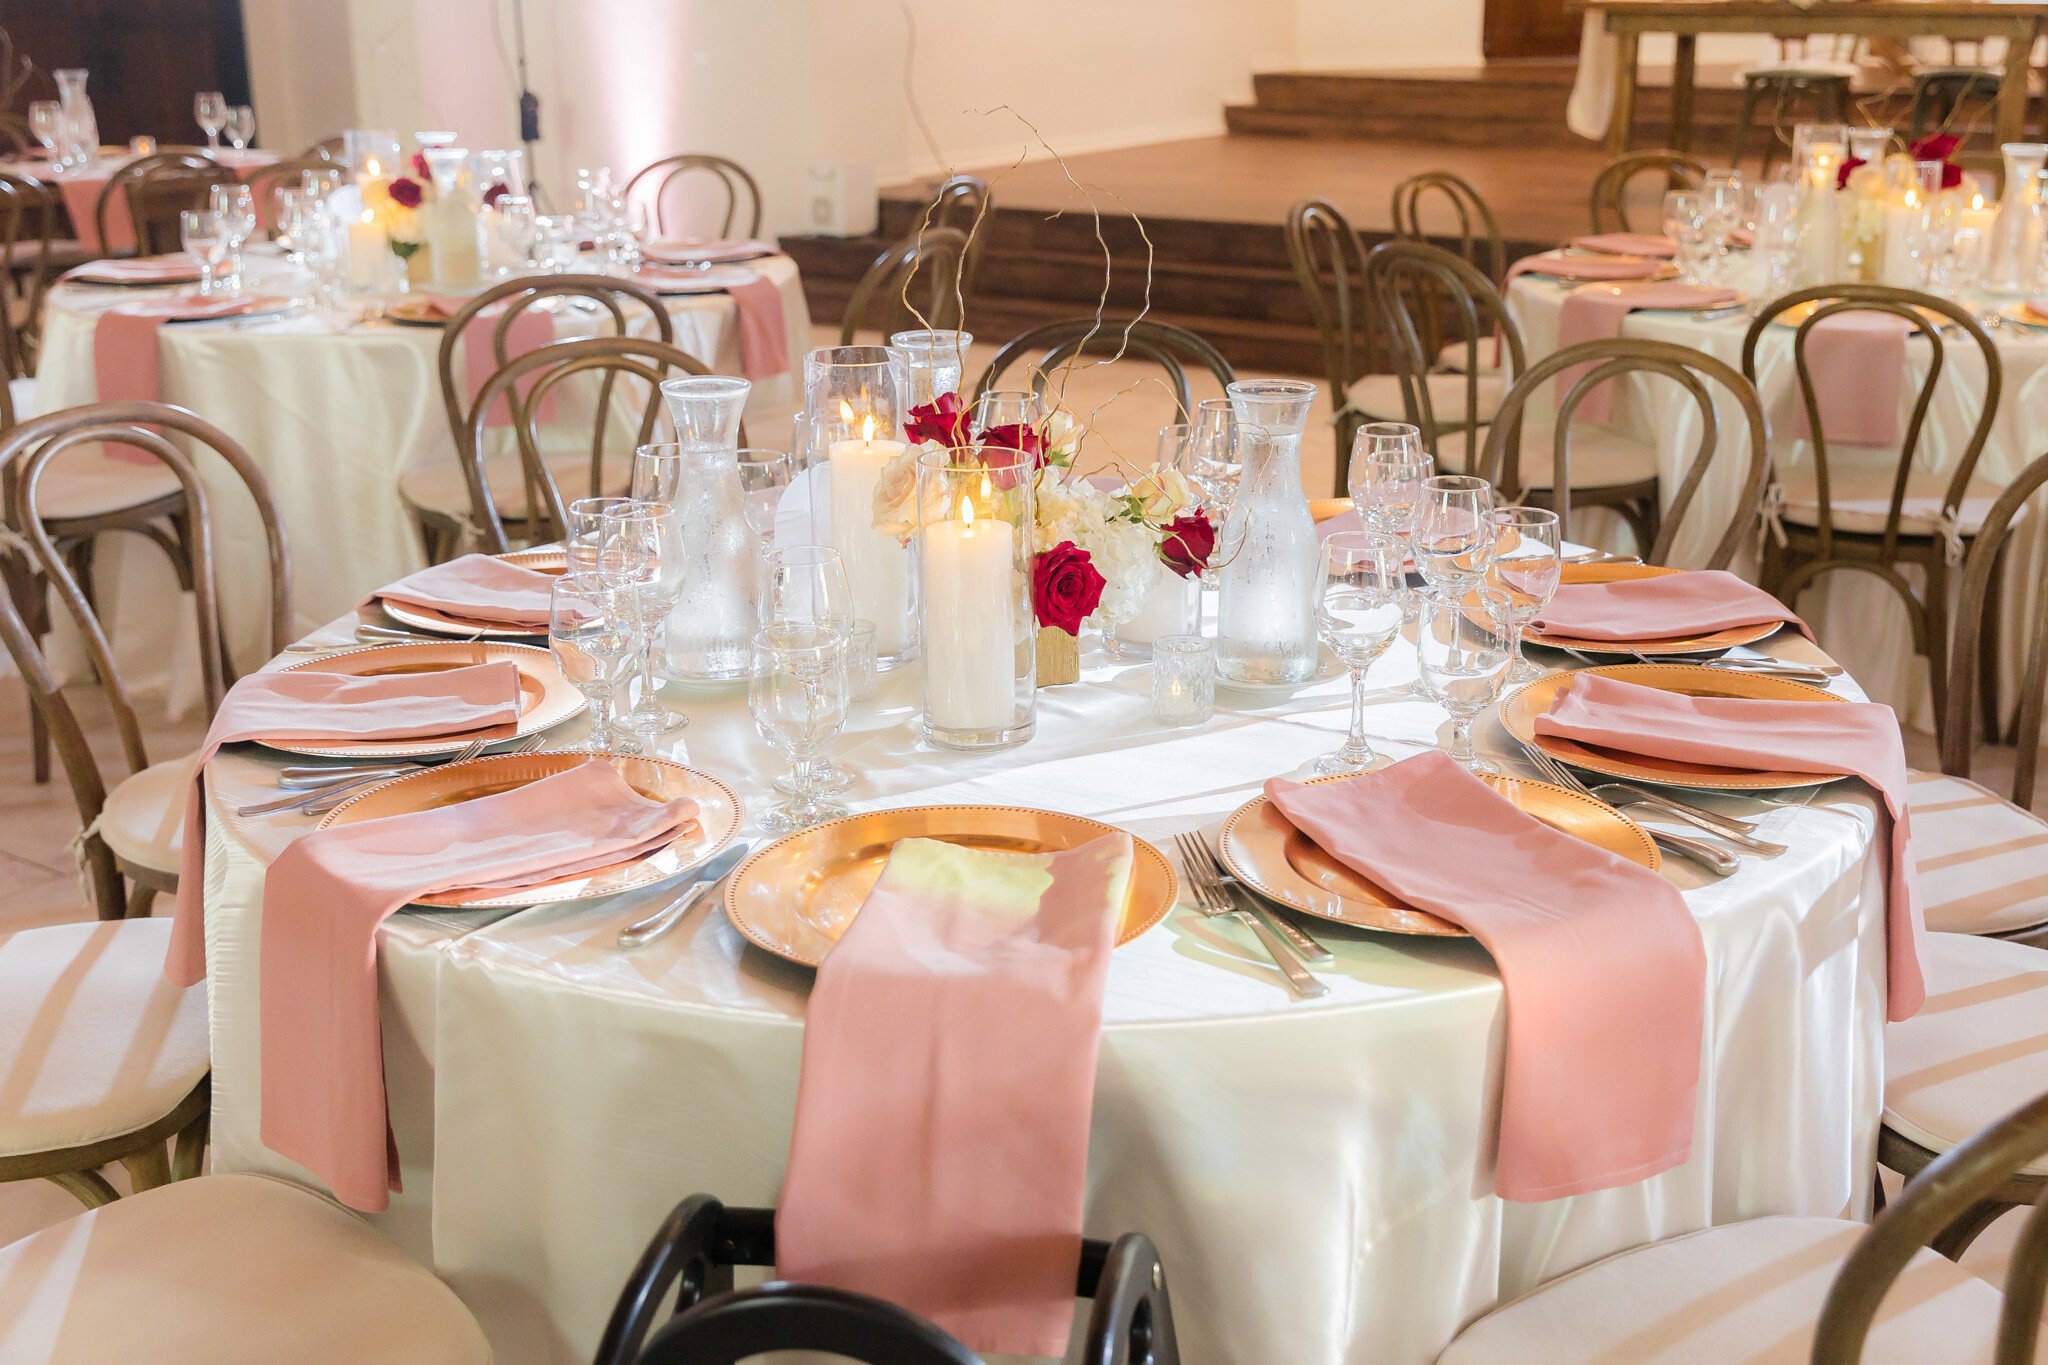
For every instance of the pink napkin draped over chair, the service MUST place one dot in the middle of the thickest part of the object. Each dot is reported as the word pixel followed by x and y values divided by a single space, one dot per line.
pixel 81 195
pixel 529 330
pixel 1697 602
pixel 1600 961
pixel 1858 363
pixel 480 588
pixel 1855 739
pixel 940 1152
pixel 1596 314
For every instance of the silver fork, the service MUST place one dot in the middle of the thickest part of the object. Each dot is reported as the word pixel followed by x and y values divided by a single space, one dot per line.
pixel 1213 900
pixel 1298 938
pixel 1738 832
pixel 1706 855
pixel 327 800
pixel 365 777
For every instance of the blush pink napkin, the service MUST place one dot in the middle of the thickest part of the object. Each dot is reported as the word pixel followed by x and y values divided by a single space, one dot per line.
pixel 1626 244
pixel 1858 362
pixel 81 196
pixel 478 588
pixel 764 339
pixel 1566 267
pixel 124 350
pixel 529 330
pixel 1596 314
pixel 681 250
pixel 311 705
pixel 323 1051
pixel 1856 739
pixel 940 1152
pixel 1600 961
pixel 176 268
pixel 1697 602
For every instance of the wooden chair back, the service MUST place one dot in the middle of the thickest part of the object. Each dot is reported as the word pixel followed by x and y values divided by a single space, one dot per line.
pixel 1329 265
pixel 1058 344
pixel 15 136
pixel 1973 651
pixel 181 441
pixel 265 181
pixel 28 217
pixel 963 202
pixel 1478 232
pixel 890 298
pixel 328 150
pixel 742 195
pixel 1700 375
pixel 155 190
pixel 1432 299
pixel 1609 200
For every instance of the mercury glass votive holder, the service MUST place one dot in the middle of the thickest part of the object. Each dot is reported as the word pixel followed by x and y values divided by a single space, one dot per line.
pixel 1183 679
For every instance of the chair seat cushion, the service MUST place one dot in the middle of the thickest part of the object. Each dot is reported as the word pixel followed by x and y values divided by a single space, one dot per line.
pixel 225 1270
pixel 86 483
pixel 1378 396
pixel 440 487
pixel 1860 497
pixel 1601 456
pixel 143 819
pixel 1983 862
pixel 94 1041
pixel 1454 354
pixel 1742 1294
pixel 1975 1048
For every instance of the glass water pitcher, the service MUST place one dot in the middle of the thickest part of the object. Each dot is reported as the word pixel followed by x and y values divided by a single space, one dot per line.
pixel 711 630
pixel 1265 623
pixel 2014 256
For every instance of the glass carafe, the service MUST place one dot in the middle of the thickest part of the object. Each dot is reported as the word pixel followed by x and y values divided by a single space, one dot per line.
pixel 711 631
pixel 2013 257
pixel 1265 622
pixel 453 231
pixel 81 126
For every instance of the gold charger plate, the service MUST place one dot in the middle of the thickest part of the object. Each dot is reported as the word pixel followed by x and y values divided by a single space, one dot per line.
pixel 546 698
pixel 1272 857
pixel 2023 313
pixel 795 897
pixel 718 819
pixel 1800 312
pixel 412 312
pixel 1621 289
pixel 1713 643
pixel 1519 709
pixel 547 561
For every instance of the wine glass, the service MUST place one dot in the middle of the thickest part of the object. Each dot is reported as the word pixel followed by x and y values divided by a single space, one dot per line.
pixel 210 112
pixel 807 585
pixel 235 206
pixel 1685 223
pixel 1007 408
pixel 554 236
pixel 589 631
pixel 1462 656
pixel 1452 539
pixel 1726 200
pixel 797 695
pixel 1384 478
pixel 640 545
pixel 1522 576
pixel 1214 467
pixel 583 537
pixel 765 476
pixel 1176 449
pixel 1358 614
pixel 199 232
pixel 46 122
pixel 240 127
pixel 320 181
pixel 512 224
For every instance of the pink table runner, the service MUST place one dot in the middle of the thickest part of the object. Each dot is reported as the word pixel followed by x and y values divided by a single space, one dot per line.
pixel 1858 362
pixel 1666 607
pixel 1857 739
pixel 1600 961
pixel 124 350
pixel 323 1052
pixel 940 1152
pixel 478 588
pixel 757 303
pixel 1597 313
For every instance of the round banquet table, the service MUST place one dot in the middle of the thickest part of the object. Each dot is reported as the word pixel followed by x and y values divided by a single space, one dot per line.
pixel 333 410
pixel 1857 617
pixel 1317 1174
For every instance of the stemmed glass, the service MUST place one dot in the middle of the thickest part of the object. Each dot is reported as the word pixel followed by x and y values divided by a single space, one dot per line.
pixel 210 112
pixel 807 585
pixel 554 237
pixel 1007 408
pixel 1452 539
pixel 199 232
pixel 1523 575
pixel 583 537
pixel 641 548
pixel 1358 614
pixel 1215 469
pixel 240 126
pixel 1462 656
pixel 797 695
pixel 235 207
pixel 1384 478
pixel 323 242
pixel 512 223
pixel 1726 200
pixel 1685 223
pixel 46 121
pixel 590 632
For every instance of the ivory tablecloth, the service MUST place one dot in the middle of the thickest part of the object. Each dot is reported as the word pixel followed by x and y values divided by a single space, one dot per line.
pixel 1316 1174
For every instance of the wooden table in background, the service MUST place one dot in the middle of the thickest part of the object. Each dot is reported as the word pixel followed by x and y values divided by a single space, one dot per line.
pixel 1629 20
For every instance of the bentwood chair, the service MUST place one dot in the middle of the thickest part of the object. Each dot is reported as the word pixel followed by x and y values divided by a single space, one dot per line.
pixel 1559 463
pixel 696 1248
pixel 1838 514
pixel 1820 81
pixel 962 202
pixel 921 281
pixel 437 496
pixel 233 1269
pixel 1824 1290
pixel 1441 200
pixel 1609 202
pixel 155 190
pixel 130 847
pixel 264 181
pixel 623 373
pixel 29 210
pixel 1329 265
pixel 327 149
pixel 724 177
pixel 1941 91
pixel 1056 344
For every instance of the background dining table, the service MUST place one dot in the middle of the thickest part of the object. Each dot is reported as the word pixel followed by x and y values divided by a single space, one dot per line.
pixel 1316 1173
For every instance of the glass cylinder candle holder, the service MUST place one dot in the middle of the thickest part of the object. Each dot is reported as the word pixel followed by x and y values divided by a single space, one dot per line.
pixel 372 153
pixel 853 407
pixel 1183 679
pixel 860 660
pixel 1172 606
pixel 975 544
pixel 934 360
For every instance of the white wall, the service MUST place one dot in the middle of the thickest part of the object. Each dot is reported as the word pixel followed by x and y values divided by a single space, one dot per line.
pixel 1387 34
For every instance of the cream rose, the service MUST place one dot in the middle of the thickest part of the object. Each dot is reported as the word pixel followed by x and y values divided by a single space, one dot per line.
pixel 895 505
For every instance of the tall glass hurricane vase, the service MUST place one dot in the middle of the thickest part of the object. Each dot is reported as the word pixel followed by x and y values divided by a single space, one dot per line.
pixel 711 631
pixel 1266 624
pixel 934 359
pixel 975 548
pixel 854 408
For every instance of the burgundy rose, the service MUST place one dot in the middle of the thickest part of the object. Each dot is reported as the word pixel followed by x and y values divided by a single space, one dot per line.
pixel 1188 543
pixel 420 169
pixel 495 193
pixel 941 420
pixel 407 193
pixel 1065 587
pixel 1019 437
pixel 1849 165
pixel 1940 147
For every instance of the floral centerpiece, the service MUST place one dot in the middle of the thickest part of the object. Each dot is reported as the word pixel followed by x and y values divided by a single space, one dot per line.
pixel 1099 550
pixel 394 204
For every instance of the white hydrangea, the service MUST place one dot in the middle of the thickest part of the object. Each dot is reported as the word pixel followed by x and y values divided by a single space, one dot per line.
pixel 1122 551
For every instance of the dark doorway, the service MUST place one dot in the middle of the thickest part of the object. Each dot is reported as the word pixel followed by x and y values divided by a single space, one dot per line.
pixel 148 58
pixel 1530 28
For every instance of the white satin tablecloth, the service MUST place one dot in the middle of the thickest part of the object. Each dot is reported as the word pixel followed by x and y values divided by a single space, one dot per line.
pixel 1316 1174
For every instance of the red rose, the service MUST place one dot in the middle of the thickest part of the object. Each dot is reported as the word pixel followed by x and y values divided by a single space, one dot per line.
pixel 1065 587
pixel 1940 147
pixel 1849 164
pixel 940 420
pixel 1016 436
pixel 406 193
pixel 495 193
pixel 1188 543
pixel 419 166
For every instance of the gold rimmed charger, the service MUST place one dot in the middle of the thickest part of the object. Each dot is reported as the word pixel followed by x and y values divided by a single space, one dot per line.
pixel 718 819
pixel 795 897
pixel 1278 861
pixel 1709 299
pixel 1800 312
pixel 551 560
pixel 1519 709
pixel 1714 642
pixel 546 698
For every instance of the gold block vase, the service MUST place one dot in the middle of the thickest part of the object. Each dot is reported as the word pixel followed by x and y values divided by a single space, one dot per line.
pixel 1059 657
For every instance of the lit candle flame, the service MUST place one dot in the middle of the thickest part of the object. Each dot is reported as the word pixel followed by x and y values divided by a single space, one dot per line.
pixel 1977 200
pixel 372 168
pixel 846 412
pixel 967 512
pixel 867 427
pixel 369 218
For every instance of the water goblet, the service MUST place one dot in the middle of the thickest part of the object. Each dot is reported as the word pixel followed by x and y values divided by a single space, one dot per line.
pixel 1007 408
pixel 1685 223
pixel 1451 537
pixel 797 696
pixel 590 634
pixel 199 233
pixel 1384 478
pixel 240 126
pixel 1215 469
pixel 555 238
pixel 513 233
pixel 807 585
pixel 236 208
pixel 1462 657
pixel 1358 614
pixel 1176 449
pixel 1522 575
pixel 1725 199
pixel 640 545
pixel 46 122
pixel 320 181
pixel 583 537
pixel 210 112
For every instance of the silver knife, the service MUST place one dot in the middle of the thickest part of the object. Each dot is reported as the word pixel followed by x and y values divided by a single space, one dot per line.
pixel 645 931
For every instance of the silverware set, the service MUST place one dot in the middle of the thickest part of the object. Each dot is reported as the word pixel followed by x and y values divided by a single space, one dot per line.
pixel 313 790
pixel 1218 901
pixel 387 635
pixel 1719 861
pixel 1820 675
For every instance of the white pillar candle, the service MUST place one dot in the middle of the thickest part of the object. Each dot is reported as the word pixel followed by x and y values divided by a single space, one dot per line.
pixel 970 618
pixel 369 254
pixel 1903 224
pixel 877 565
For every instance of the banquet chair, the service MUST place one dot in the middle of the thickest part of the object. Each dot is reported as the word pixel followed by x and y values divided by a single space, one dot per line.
pixel 156 189
pixel 264 182
pixel 628 370
pixel 438 496
pixel 1328 257
pixel 1939 91
pixel 1556 462
pixel 962 202
pixel 54 467
pixel 1608 202
pixel 1478 232
pixel 698 1245
pixel 1835 516
pixel 1823 82
pixel 742 195
pixel 1169 347
pixel 29 211
pixel 883 301
pixel 327 149
pixel 231 1269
